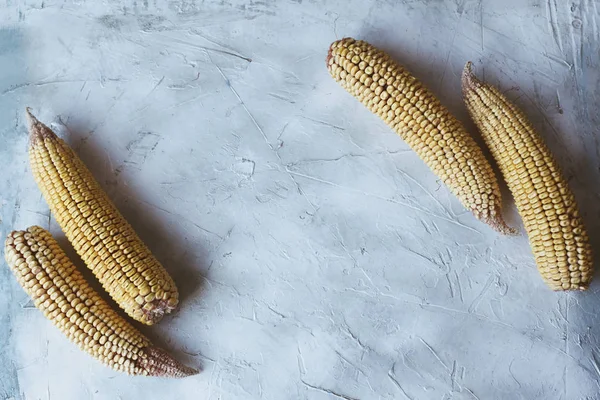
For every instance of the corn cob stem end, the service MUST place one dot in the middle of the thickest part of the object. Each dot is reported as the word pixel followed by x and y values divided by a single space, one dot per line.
pixel 157 310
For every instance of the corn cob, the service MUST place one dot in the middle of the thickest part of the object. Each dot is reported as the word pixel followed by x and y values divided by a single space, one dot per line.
pixel 439 139
pixel 59 290
pixel 101 236
pixel 556 233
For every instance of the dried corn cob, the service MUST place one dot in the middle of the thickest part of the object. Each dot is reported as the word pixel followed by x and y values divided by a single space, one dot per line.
pixel 101 236
pixel 555 229
pixel 66 299
pixel 391 92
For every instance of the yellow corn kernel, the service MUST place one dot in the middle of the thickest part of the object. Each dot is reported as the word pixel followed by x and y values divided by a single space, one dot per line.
pixel 36 259
pixel 80 205
pixel 414 113
pixel 541 193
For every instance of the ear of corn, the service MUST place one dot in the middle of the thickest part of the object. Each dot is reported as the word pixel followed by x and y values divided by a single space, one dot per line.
pixel 101 236
pixel 62 294
pixel 439 139
pixel 555 229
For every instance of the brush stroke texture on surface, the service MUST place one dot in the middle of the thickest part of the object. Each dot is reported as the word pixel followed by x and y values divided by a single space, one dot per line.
pixel 316 256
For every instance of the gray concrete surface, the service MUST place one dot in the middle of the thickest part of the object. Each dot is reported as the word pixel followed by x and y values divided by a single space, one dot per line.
pixel 317 256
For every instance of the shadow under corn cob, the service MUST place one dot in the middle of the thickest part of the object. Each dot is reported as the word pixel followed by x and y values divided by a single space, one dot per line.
pixel 556 233
pixel 59 290
pixel 99 233
pixel 414 113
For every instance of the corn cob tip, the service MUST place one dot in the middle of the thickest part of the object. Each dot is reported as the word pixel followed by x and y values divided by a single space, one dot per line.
pixel 159 363
pixel 498 224
pixel 37 130
pixel 334 45
pixel 468 79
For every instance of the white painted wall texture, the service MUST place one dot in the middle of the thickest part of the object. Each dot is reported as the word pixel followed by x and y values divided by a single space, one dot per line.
pixel 316 255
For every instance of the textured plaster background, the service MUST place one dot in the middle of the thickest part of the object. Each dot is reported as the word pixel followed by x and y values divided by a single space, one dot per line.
pixel 316 255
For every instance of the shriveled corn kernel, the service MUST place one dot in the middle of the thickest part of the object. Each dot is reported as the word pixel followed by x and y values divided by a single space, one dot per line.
pixel 79 204
pixel 114 333
pixel 517 148
pixel 421 120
